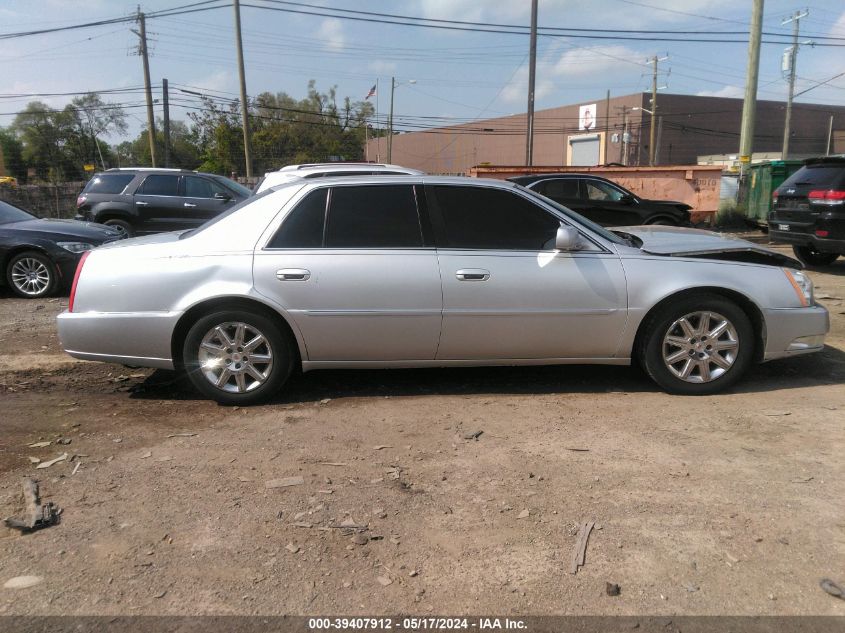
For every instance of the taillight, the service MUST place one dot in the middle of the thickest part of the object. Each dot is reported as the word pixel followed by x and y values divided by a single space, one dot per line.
pixel 822 233
pixel 76 280
pixel 827 196
pixel 774 197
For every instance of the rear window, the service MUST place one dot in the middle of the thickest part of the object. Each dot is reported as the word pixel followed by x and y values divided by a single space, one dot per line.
pixel 108 183
pixel 821 176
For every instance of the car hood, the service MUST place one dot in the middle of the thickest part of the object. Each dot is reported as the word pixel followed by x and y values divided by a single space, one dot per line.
pixel 673 241
pixel 66 229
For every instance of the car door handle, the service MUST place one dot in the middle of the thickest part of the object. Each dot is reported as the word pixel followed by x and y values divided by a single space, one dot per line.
pixel 293 274
pixel 189 205
pixel 141 203
pixel 472 274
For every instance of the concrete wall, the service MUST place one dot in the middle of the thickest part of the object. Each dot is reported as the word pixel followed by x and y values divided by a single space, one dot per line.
pixel 45 201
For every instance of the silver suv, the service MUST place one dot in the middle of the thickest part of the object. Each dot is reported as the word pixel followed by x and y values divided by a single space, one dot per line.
pixel 330 170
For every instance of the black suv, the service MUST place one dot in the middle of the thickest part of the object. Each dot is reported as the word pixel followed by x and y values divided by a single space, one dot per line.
pixel 808 211
pixel 139 200
pixel 603 201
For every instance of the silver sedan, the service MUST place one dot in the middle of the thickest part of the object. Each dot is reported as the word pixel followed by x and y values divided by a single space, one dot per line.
pixel 420 271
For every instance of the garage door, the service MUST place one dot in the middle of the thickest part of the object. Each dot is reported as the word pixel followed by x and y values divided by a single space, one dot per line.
pixel 584 150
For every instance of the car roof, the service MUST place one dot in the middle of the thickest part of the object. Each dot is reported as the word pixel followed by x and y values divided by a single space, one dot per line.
pixel 308 167
pixel 411 179
pixel 837 159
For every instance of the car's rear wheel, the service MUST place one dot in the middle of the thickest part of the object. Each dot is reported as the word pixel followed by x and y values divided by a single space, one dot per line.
pixel 808 256
pixel 697 345
pixel 32 275
pixel 121 226
pixel 662 222
pixel 237 357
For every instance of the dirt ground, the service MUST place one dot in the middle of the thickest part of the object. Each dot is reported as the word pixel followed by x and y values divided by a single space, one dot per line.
pixel 730 504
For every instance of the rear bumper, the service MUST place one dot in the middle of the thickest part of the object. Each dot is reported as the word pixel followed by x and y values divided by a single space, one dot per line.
pixel 142 339
pixel 794 331
pixel 820 244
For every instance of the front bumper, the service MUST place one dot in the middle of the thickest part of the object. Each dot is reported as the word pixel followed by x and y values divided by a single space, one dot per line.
pixel 794 331
pixel 141 339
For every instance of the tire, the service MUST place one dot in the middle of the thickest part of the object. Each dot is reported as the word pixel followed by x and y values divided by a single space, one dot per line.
pixel 810 257
pixel 121 225
pixel 662 222
pixel 32 275
pixel 248 381
pixel 665 338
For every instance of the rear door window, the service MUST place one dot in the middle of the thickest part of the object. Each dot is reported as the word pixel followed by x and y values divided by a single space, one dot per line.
pixel 491 219
pixel 108 183
pixel 303 227
pixel 376 216
pixel 159 185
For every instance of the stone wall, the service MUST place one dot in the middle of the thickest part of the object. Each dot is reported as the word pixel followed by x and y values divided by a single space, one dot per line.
pixel 45 201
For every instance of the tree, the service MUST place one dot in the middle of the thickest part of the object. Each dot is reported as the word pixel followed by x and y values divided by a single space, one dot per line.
pixel 11 151
pixel 94 118
pixel 183 151
pixel 44 133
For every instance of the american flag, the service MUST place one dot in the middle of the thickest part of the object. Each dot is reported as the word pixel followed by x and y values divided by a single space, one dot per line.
pixel 371 93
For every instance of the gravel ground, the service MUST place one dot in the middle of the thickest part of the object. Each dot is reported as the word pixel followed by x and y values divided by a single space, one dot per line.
pixel 727 504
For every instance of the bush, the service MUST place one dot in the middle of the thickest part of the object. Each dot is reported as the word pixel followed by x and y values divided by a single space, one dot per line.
pixel 731 215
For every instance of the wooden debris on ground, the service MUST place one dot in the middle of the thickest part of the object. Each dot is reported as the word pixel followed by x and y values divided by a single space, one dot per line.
pixel 578 556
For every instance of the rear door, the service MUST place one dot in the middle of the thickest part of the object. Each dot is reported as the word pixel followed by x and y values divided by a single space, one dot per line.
pixel 159 205
pixel 352 267
pixel 507 293
pixel 203 199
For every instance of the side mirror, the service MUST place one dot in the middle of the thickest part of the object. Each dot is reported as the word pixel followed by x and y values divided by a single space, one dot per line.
pixel 627 199
pixel 222 196
pixel 567 239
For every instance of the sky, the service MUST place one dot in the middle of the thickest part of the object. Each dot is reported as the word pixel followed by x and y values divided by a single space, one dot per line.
pixel 458 76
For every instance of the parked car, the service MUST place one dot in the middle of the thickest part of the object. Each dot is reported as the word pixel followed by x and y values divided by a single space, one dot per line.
pixel 330 170
pixel 419 271
pixel 604 202
pixel 39 257
pixel 808 211
pixel 140 200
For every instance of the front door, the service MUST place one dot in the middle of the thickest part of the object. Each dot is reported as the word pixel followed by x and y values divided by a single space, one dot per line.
pixel 350 265
pixel 507 294
pixel 204 199
pixel 608 205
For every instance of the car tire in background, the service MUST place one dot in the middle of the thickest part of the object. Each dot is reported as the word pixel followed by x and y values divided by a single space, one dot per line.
pixel 237 357
pixel 32 275
pixel 697 345
pixel 809 257
pixel 121 225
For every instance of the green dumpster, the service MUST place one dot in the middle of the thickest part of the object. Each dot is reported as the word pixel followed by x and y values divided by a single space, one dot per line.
pixel 763 179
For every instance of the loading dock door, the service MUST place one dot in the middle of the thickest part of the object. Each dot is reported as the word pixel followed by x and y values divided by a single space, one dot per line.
pixel 584 150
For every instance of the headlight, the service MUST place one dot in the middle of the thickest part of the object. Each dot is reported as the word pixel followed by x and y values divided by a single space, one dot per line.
pixel 76 247
pixel 802 284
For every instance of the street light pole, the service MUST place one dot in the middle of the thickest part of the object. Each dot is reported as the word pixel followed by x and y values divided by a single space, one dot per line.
pixel 390 122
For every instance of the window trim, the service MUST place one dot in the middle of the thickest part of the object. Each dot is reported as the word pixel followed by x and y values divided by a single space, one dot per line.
pixel 138 191
pixel 423 222
pixel 440 225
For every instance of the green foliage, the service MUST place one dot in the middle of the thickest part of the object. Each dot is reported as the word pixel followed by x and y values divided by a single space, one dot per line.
pixel 731 215
pixel 58 143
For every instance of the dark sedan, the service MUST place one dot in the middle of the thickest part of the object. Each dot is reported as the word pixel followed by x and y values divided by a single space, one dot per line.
pixel 604 202
pixel 39 256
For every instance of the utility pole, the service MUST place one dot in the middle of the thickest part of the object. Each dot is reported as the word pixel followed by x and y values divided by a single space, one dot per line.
pixel 151 126
pixel 749 104
pixel 532 68
pixel 625 135
pixel 793 58
pixel 651 128
pixel 390 122
pixel 244 105
pixel 165 100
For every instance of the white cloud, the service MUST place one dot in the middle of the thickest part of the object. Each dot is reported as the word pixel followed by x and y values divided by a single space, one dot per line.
pixel 221 81
pixel 583 62
pixel 382 67
pixel 725 91
pixel 517 90
pixel 331 31
pixel 838 28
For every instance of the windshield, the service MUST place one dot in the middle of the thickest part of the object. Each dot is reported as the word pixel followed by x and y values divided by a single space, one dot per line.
pixel 580 219
pixel 225 214
pixel 9 213
pixel 231 184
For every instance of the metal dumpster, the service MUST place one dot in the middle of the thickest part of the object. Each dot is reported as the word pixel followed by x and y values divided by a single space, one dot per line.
pixel 763 179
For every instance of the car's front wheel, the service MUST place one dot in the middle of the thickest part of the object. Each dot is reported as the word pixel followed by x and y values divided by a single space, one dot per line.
pixel 697 345
pixel 237 357
pixel 32 275
pixel 811 257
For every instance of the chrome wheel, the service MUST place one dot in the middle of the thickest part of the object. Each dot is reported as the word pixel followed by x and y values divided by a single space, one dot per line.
pixel 700 347
pixel 31 276
pixel 235 357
